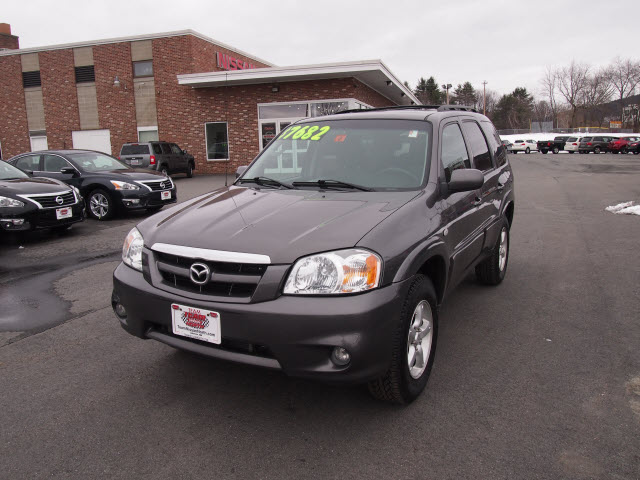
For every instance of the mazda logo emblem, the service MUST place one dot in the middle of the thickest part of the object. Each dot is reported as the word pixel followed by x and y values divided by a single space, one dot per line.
pixel 200 273
pixel 59 200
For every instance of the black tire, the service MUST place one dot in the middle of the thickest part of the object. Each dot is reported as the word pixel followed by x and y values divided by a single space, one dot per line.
pixel 489 271
pixel 397 385
pixel 527 151
pixel 190 170
pixel 153 210
pixel 105 201
pixel 544 152
pixel 636 152
pixel 556 150
pixel 596 150
pixel 624 150
pixel 615 152
pixel 571 152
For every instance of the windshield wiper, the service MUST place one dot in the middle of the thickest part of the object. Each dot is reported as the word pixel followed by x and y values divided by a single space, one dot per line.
pixel 328 183
pixel 265 181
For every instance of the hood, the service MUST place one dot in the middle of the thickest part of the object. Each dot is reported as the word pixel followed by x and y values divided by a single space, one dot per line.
pixel 283 224
pixel 132 174
pixel 27 186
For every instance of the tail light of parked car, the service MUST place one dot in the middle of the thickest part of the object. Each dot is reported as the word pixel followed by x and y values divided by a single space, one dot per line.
pixel 588 143
pixel 574 144
pixel 152 160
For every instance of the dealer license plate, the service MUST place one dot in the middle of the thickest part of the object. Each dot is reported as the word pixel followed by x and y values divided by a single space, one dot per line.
pixel 135 162
pixel 166 195
pixel 196 323
pixel 64 213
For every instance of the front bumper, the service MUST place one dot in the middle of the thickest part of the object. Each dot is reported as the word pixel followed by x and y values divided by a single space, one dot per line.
pixel 31 217
pixel 294 334
pixel 143 198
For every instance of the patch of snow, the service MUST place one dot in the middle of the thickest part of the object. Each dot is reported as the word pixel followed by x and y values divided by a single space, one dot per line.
pixel 626 208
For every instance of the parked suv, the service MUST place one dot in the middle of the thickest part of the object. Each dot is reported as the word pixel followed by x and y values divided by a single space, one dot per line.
pixel 333 265
pixel 597 144
pixel 164 157
pixel 622 144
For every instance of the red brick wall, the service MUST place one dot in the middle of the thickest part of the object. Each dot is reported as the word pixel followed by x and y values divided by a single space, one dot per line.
pixel 14 130
pixel 186 110
pixel 59 97
pixel 9 41
pixel 116 105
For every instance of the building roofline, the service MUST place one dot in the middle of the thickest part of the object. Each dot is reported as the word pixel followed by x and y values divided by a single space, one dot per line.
pixel 150 36
pixel 294 73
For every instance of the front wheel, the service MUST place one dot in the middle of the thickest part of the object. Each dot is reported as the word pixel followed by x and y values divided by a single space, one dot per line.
pixel 624 151
pixel 413 348
pixel 555 150
pixel 596 150
pixel 527 151
pixel 492 270
pixel 100 205
pixel 190 170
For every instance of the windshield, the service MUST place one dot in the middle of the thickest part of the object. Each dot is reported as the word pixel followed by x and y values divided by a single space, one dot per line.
pixel 375 154
pixel 8 172
pixel 97 162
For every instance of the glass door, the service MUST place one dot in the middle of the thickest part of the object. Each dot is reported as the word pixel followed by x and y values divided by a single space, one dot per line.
pixel 287 154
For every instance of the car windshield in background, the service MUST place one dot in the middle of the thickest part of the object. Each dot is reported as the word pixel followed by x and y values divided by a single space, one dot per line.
pixel 9 172
pixel 374 154
pixel 135 150
pixel 97 162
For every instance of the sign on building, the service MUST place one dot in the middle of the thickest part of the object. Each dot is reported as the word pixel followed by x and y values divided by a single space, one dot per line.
pixel 227 62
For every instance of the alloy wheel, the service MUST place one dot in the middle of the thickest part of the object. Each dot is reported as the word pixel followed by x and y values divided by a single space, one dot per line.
pixel 420 339
pixel 99 205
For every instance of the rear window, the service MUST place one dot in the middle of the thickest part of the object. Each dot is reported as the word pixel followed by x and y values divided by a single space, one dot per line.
pixel 135 150
pixel 586 139
pixel 572 139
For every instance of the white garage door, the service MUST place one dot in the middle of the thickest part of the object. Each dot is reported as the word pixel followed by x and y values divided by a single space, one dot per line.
pixel 99 140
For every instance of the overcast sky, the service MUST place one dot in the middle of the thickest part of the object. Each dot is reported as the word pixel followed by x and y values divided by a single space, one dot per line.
pixel 506 43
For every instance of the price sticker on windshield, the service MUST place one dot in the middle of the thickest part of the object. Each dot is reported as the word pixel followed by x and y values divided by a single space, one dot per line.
pixel 305 132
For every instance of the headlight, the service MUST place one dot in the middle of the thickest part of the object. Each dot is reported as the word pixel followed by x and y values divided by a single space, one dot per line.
pixel 343 271
pixel 124 185
pixel 10 202
pixel 132 249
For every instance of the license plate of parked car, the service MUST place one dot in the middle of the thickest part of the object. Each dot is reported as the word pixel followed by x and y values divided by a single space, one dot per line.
pixel 166 195
pixel 195 323
pixel 63 213
pixel 135 162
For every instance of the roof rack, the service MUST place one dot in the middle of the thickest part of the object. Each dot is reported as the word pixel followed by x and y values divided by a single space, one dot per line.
pixel 439 108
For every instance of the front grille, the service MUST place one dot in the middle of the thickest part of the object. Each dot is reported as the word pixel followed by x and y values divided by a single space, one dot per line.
pixel 161 185
pixel 51 201
pixel 230 280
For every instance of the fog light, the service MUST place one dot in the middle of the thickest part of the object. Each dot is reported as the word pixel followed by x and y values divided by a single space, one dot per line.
pixel 14 221
pixel 340 356
pixel 120 310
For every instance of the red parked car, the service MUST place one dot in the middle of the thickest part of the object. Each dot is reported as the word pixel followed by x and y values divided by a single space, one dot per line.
pixel 622 144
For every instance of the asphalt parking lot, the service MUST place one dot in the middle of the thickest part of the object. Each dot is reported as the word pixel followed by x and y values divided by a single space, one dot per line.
pixel 538 378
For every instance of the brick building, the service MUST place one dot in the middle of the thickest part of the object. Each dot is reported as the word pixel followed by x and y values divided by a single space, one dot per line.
pixel 219 103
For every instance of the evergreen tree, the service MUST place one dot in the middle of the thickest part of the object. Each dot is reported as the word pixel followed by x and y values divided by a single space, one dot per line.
pixel 465 94
pixel 427 91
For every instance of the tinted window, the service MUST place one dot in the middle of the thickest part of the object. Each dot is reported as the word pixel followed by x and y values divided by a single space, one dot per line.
pixel 9 171
pixel 30 162
pixel 97 162
pixel 454 152
pixel 571 139
pixel 176 149
pixel 165 148
pixel 143 69
pixel 495 144
pixel 478 144
pixel 53 163
pixel 519 141
pixel 586 139
pixel 135 150
pixel 156 148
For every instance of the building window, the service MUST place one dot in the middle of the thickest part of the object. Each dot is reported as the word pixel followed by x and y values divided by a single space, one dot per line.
pixel 148 134
pixel 85 74
pixel 284 110
pixel 328 108
pixel 217 138
pixel 31 79
pixel 143 69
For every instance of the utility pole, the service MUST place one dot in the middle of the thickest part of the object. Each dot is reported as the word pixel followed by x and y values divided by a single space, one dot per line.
pixel 484 97
pixel 447 87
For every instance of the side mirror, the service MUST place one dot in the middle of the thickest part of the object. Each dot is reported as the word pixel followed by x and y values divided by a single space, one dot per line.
pixel 184 152
pixel 241 170
pixel 465 180
pixel 68 171
pixel 29 172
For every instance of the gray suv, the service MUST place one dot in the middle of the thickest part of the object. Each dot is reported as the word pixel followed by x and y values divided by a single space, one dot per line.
pixel 164 157
pixel 330 255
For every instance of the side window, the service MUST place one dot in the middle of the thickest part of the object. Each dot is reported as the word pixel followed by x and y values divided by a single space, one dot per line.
pixel 479 148
pixel 176 149
pixel 29 162
pixel 454 152
pixel 156 149
pixel 165 148
pixel 53 163
pixel 495 144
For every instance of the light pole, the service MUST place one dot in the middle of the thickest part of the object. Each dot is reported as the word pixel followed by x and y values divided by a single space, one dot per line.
pixel 484 97
pixel 447 87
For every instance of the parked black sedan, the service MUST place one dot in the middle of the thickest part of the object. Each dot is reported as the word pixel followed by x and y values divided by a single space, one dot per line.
pixel 28 203
pixel 106 183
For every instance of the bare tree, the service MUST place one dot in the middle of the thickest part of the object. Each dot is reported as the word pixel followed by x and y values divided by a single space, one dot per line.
pixel 491 99
pixel 598 91
pixel 625 76
pixel 572 82
pixel 550 90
